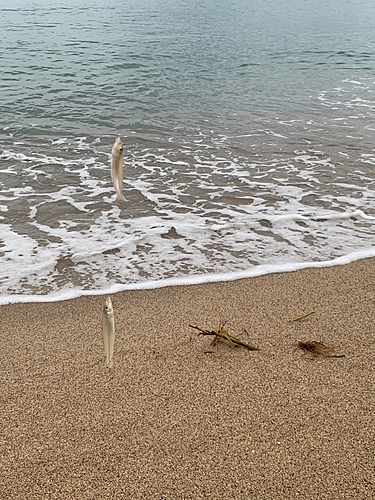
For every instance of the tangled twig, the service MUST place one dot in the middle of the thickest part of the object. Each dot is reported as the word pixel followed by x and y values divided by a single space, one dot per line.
pixel 225 335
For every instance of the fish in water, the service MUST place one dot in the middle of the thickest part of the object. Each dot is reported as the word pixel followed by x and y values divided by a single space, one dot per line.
pixel 117 162
pixel 108 323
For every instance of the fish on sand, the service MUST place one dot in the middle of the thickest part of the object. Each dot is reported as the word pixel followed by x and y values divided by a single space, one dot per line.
pixel 108 323
pixel 117 162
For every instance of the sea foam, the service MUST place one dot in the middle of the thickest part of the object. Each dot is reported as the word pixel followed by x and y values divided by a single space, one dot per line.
pixel 189 280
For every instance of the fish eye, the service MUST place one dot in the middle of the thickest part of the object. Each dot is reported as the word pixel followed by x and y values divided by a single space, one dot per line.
pixel 106 308
pixel 120 149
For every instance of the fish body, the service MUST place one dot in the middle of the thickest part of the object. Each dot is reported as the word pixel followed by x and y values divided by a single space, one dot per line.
pixel 117 162
pixel 108 324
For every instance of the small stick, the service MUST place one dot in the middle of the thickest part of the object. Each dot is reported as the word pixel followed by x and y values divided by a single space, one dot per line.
pixel 221 328
pixel 225 336
pixel 304 316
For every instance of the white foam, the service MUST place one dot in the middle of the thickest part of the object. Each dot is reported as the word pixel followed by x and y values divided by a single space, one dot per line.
pixel 200 209
pixel 189 280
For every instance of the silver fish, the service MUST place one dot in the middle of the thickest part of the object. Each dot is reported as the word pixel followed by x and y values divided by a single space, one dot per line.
pixel 117 162
pixel 108 323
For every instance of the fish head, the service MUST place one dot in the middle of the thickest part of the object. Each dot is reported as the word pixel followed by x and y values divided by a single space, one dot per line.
pixel 108 308
pixel 117 149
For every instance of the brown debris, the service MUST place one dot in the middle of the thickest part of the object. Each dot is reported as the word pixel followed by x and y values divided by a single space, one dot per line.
pixel 303 316
pixel 222 335
pixel 318 350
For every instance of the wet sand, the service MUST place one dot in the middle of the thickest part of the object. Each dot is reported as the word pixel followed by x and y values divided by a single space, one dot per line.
pixel 182 419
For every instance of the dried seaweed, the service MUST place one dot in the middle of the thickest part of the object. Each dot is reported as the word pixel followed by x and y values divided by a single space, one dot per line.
pixel 317 349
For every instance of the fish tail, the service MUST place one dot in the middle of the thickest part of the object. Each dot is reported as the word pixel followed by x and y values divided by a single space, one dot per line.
pixel 110 366
pixel 120 197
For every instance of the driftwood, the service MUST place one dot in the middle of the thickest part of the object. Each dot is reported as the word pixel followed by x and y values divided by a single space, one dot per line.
pixel 225 336
pixel 318 350
pixel 222 335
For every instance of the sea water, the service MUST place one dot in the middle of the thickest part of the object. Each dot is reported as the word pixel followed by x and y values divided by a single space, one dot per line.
pixel 248 131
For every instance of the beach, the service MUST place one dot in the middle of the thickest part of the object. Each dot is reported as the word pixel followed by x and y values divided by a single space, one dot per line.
pixel 179 418
pixel 249 206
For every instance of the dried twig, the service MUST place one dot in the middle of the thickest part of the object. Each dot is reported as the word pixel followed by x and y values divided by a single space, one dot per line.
pixel 221 334
pixel 221 330
pixel 304 316
pixel 233 340
pixel 318 350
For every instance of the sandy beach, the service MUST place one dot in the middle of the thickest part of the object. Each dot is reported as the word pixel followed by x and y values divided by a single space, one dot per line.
pixel 181 419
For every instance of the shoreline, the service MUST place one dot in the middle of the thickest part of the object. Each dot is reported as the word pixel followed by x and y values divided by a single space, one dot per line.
pixel 187 280
pixel 179 418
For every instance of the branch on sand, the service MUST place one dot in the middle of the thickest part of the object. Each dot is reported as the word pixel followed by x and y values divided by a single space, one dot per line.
pixel 318 350
pixel 233 341
pixel 222 334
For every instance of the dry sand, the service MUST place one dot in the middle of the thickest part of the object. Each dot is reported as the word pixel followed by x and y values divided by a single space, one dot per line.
pixel 180 419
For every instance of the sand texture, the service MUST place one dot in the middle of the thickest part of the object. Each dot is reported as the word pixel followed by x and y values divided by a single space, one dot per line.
pixel 182 419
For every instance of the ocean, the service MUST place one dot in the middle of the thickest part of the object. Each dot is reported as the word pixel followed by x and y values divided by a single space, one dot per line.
pixel 248 130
